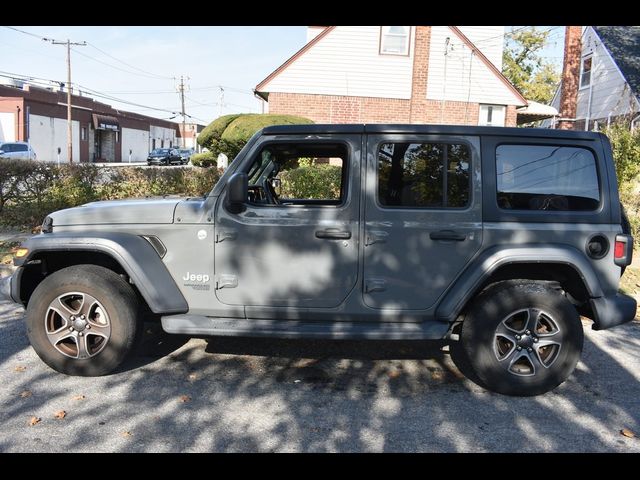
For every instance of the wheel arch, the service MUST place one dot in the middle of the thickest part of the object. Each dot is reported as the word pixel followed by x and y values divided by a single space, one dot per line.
pixel 556 263
pixel 122 253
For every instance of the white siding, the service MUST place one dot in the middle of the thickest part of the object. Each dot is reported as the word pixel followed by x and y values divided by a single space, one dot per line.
pixel 137 141
pixel 313 32
pixel 48 133
pixel 7 127
pixel 609 90
pixel 489 40
pixel 461 76
pixel 347 62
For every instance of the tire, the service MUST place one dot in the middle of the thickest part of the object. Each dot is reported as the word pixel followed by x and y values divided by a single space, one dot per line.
pixel 102 339
pixel 502 319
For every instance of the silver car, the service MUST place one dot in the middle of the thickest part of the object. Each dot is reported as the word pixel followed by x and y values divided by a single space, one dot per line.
pixel 17 151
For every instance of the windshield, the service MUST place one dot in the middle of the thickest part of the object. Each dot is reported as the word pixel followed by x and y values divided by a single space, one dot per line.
pixel 160 151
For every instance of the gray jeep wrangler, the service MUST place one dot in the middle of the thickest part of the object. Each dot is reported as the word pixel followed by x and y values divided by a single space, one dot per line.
pixel 493 239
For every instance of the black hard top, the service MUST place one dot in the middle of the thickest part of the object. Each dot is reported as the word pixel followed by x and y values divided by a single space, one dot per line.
pixel 320 129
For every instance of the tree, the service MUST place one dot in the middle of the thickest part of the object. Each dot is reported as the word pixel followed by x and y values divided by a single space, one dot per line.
pixel 229 133
pixel 535 78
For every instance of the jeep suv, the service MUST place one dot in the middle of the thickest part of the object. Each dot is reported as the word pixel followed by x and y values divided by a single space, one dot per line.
pixel 493 239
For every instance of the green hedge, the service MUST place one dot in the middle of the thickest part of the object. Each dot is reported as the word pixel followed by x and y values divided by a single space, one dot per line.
pixel 204 159
pixel 31 190
pixel 228 134
pixel 320 182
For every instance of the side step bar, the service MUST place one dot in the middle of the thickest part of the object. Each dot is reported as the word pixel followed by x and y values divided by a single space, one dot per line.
pixel 197 325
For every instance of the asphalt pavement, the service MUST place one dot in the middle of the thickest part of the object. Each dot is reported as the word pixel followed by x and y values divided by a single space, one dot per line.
pixel 270 395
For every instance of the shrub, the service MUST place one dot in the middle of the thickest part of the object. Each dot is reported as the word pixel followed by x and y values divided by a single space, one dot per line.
pixel 204 159
pixel 313 182
pixel 31 190
pixel 228 134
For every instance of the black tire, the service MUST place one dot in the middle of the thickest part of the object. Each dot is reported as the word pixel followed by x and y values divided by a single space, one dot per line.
pixel 115 312
pixel 504 356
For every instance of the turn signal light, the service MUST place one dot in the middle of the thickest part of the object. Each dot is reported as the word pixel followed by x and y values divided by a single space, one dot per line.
pixel 22 252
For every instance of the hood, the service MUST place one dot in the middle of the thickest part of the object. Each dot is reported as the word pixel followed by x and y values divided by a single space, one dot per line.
pixel 118 212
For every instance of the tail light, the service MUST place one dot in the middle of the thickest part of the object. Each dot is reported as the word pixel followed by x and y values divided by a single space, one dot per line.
pixel 623 250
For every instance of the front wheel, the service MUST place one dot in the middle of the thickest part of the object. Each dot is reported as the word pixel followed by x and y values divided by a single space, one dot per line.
pixel 522 339
pixel 83 320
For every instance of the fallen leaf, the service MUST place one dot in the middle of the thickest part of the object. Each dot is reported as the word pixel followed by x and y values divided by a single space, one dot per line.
pixel 192 376
pixel 395 373
pixel 20 368
pixel 437 375
pixel 60 414
pixel 34 421
pixel 25 394
pixel 79 397
pixel 185 398
pixel 126 433
pixel 627 433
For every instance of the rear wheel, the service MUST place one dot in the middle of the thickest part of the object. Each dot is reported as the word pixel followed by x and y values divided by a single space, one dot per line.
pixel 83 320
pixel 522 338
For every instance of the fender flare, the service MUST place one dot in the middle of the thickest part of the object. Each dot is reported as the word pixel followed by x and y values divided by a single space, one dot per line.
pixel 134 254
pixel 483 266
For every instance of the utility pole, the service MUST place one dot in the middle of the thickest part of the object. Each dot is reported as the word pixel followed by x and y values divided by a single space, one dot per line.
pixel 220 104
pixel 184 129
pixel 68 43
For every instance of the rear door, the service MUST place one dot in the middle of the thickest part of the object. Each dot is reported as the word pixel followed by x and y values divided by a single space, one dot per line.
pixel 423 212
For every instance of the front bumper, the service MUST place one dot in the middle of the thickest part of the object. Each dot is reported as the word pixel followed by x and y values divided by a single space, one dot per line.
pixel 5 289
pixel 159 161
pixel 613 310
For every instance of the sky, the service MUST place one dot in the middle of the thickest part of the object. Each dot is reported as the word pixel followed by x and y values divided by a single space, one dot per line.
pixel 143 65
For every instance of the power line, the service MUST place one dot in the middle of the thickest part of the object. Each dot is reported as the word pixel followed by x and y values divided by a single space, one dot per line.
pixel 128 65
pixel 118 68
pixel 22 31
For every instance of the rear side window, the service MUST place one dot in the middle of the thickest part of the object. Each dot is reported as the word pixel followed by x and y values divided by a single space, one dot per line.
pixel 424 175
pixel 542 177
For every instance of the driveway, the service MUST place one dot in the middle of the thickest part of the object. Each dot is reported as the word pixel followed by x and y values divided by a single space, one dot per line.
pixel 242 395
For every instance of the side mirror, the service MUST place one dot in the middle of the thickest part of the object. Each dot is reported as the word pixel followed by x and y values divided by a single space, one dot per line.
pixel 238 186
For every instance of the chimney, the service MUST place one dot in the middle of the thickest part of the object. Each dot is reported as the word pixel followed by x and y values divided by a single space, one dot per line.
pixel 570 77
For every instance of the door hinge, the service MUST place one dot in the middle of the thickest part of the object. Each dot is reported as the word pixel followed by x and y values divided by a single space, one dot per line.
pixel 375 285
pixel 226 281
pixel 226 235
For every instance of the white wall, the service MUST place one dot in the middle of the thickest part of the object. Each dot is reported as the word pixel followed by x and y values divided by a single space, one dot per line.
pixel 7 127
pixel 489 40
pixel 48 133
pixel 161 133
pixel 609 90
pixel 136 140
pixel 346 61
pixel 461 76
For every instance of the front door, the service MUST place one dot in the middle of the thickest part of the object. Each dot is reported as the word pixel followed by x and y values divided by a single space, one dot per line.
pixel 423 217
pixel 295 242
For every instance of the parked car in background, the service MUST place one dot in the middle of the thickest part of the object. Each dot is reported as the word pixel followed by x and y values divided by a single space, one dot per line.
pixel 185 154
pixel 17 150
pixel 164 156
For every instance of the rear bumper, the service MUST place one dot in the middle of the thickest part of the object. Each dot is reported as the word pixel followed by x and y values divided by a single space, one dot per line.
pixel 5 288
pixel 613 310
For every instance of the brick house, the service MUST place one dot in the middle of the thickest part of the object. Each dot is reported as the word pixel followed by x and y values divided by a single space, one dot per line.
pixel 396 74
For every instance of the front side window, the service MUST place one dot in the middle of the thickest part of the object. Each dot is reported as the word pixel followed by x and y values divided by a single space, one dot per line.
pixel 541 177
pixel 394 40
pixel 424 175
pixel 585 71
pixel 288 174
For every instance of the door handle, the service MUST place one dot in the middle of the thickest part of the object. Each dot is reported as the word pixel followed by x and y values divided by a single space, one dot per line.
pixel 449 235
pixel 333 234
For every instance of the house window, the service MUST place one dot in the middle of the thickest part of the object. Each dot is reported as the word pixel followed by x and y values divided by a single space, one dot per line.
pixel 394 40
pixel 83 134
pixel 117 137
pixel 585 71
pixel 492 115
